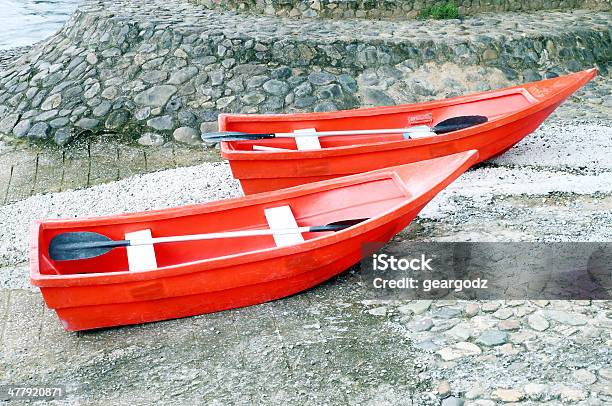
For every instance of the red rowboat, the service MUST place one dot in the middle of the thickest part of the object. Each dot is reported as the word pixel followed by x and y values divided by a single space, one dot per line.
pixel 512 114
pixel 198 277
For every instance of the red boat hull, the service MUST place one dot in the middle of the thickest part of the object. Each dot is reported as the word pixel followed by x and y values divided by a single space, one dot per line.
pixel 513 114
pixel 101 292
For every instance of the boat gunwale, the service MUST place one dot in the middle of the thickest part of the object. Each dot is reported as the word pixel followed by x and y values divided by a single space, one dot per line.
pixel 467 159
pixel 579 79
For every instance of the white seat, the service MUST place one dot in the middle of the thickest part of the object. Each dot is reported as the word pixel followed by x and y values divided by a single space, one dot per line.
pixel 308 142
pixel 141 257
pixel 280 218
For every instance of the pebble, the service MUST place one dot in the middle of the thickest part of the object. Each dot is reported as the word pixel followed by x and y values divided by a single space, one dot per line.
pixel 459 350
pixel 87 123
pixel 187 135
pixel 472 309
pixel 606 373
pixel 8 122
pixel 21 129
pixel 39 131
pixel 491 338
pixel 538 322
pixel 151 139
pixel 416 308
pixel 452 401
pixel 460 331
pixel 507 395
pixel 508 325
pixel 156 96
pixel 443 389
pixel 503 313
pixel 161 123
pixel 420 325
pixel 63 136
pixel 447 313
pixel 572 319
pixel 490 307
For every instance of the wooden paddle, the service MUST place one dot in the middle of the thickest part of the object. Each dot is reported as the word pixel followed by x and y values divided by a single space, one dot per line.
pixel 83 245
pixel 446 126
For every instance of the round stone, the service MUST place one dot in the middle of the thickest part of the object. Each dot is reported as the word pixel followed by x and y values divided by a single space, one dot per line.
pixel 156 96
pixel 420 325
pixel 63 135
pixel 21 129
pixel 92 91
pixel 253 98
pixel 321 78
pixel 538 322
pixel 110 93
pixel 59 122
pixel 91 58
pixel 87 123
pixel 161 123
pixel 183 75
pixel 376 97
pixel 491 338
pixel 117 119
pixel 443 389
pixel 452 401
pixel 151 139
pixel 51 102
pixel 7 124
pixel 39 131
pixel 459 350
pixel 276 87
pixel 102 109
pixel 188 135
pixel 142 114
pixel 569 318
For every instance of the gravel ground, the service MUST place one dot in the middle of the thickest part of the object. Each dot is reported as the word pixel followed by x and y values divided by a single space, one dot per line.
pixel 555 185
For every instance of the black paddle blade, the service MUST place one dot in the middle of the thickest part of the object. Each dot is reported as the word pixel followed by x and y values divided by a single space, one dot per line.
pixel 337 225
pixel 233 136
pixel 81 245
pixel 458 123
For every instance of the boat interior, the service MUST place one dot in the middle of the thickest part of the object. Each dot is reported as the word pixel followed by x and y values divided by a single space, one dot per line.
pixel 367 198
pixel 493 105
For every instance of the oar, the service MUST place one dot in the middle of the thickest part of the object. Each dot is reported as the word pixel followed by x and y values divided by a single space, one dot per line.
pixel 82 245
pixel 446 126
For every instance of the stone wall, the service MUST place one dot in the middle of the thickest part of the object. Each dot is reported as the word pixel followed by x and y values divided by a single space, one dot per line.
pixel 389 9
pixel 166 68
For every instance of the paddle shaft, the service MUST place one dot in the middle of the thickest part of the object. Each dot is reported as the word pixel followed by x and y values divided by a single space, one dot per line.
pixel 353 132
pixel 443 127
pixel 197 237
pixel 229 234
